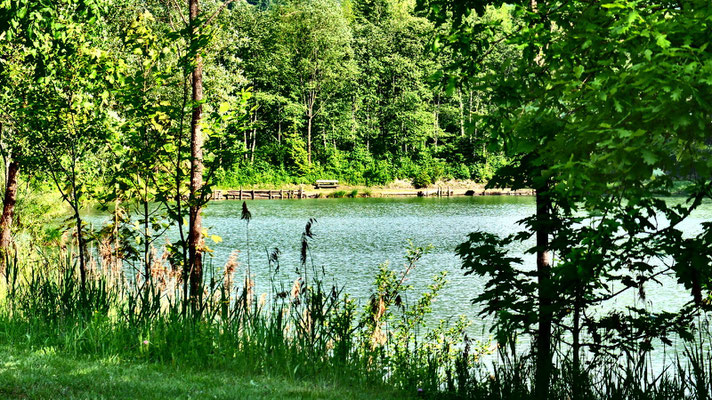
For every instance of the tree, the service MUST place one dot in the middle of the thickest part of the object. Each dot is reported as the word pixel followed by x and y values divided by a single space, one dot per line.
pixel 197 25
pixel 583 119
pixel 59 108
pixel 145 154
pixel 314 55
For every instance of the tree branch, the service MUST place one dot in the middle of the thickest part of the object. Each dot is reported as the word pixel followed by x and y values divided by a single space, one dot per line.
pixel 218 11
pixel 182 16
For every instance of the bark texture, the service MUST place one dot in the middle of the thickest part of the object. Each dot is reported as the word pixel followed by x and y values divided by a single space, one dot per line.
pixel 8 211
pixel 543 268
pixel 195 246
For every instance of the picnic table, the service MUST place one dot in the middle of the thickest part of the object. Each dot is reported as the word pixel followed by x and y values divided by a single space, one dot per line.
pixel 326 184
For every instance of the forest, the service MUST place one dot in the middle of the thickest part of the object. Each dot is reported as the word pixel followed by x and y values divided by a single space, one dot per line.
pixel 121 119
pixel 340 90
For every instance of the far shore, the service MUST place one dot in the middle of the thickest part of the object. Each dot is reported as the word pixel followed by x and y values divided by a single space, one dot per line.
pixel 396 189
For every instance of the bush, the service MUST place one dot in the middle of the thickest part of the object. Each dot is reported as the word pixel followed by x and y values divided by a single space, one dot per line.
pixel 378 173
pixel 337 194
pixel 461 171
pixel 421 180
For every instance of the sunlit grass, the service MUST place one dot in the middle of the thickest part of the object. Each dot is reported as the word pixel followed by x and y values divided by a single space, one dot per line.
pixel 46 374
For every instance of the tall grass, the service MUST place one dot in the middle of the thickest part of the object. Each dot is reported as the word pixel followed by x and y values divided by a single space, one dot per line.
pixel 305 327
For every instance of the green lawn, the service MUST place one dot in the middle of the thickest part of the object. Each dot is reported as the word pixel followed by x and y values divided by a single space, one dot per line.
pixel 46 375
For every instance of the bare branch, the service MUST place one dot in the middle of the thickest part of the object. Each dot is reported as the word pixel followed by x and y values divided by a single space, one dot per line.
pixel 182 16
pixel 218 11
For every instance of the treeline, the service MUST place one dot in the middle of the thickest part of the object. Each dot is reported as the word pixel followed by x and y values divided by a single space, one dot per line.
pixel 347 90
pixel 337 89
pixel 151 104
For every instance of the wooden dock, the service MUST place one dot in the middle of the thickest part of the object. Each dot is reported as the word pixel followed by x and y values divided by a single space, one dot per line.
pixel 254 194
pixel 297 194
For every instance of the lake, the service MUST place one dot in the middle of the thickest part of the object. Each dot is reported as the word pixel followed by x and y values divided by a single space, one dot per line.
pixel 354 236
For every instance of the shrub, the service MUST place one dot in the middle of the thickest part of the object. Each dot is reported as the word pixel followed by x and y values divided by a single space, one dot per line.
pixel 421 180
pixel 337 194
pixel 378 173
pixel 461 171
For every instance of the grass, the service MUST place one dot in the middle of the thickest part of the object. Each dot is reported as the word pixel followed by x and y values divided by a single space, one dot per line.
pixel 306 342
pixel 119 338
pixel 338 194
pixel 46 374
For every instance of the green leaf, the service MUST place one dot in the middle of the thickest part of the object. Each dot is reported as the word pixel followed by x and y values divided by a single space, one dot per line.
pixel 578 71
pixel 649 157
pixel 612 5
pixel 661 40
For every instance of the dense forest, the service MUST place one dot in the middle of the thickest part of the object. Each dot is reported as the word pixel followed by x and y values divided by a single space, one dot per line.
pixel 349 90
pixel 141 108
pixel 334 90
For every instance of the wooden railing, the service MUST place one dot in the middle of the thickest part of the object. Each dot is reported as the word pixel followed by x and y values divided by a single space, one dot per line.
pixel 254 194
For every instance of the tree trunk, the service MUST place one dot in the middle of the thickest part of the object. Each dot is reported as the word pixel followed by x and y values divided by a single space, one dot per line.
pixel 246 142
pixel 310 116
pixel 470 112
pixel 82 255
pixel 576 347
pixel 253 138
pixel 279 125
pixel 543 267
pixel 195 256
pixel 254 144
pixel 462 114
pixel 436 122
pixel 179 204
pixel 146 243
pixel 8 211
pixel 76 206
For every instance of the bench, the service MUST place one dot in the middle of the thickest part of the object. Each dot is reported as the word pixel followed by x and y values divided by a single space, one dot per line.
pixel 326 184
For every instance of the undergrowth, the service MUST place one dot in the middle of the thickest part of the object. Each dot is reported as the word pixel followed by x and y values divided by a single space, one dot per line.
pixel 302 328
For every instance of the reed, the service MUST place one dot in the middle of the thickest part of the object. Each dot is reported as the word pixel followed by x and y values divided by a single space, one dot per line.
pixel 304 328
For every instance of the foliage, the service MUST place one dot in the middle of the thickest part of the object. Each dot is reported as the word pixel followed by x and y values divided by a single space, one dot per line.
pixel 421 180
pixel 353 79
pixel 581 117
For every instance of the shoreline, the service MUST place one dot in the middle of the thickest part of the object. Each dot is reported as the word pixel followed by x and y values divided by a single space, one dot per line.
pixel 309 192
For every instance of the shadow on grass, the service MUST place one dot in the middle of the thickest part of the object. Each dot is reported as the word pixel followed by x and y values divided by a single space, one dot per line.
pixel 45 374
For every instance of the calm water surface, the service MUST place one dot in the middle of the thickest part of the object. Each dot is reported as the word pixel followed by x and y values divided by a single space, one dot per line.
pixel 354 236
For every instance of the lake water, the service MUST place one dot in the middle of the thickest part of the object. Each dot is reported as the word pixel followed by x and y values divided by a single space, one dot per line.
pixel 354 236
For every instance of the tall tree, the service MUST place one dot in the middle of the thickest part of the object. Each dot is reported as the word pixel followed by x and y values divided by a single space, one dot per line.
pixel 198 25
pixel 60 110
pixel 195 227
pixel 314 54
pixel 583 120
